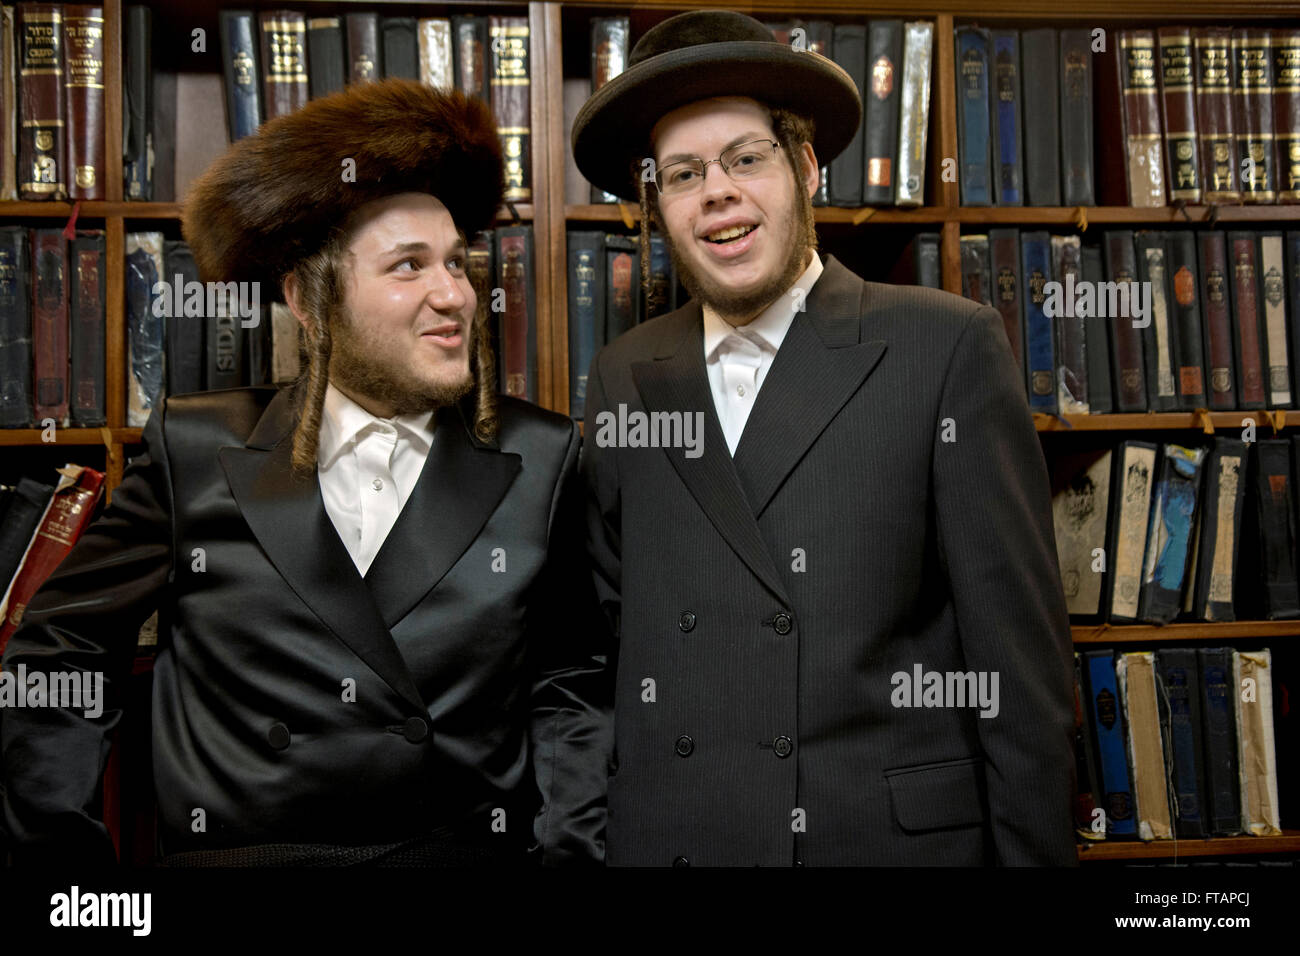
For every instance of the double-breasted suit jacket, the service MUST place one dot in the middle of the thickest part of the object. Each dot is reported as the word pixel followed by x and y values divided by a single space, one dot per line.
pixel 886 515
pixel 454 688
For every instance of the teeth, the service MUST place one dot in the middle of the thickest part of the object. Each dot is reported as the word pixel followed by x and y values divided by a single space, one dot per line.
pixel 732 233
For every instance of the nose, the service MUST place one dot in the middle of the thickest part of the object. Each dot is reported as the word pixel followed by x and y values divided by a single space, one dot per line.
pixel 717 185
pixel 448 292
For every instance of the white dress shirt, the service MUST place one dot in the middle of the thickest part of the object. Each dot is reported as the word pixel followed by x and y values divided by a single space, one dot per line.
pixel 738 357
pixel 368 467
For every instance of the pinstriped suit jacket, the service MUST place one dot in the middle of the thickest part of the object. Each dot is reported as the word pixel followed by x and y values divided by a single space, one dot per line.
pixel 887 507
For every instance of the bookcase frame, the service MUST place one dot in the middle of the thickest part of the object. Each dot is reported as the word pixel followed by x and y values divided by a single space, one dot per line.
pixel 551 217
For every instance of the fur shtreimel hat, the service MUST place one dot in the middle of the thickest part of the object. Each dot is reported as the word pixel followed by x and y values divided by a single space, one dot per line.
pixel 275 197
pixel 695 56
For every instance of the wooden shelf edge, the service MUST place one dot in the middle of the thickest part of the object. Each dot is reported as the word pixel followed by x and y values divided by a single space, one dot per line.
pixel 68 436
pixel 1288 842
pixel 1189 631
pixel 1138 421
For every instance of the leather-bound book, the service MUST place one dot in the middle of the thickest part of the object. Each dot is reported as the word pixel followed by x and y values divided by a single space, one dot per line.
pixel 184 334
pixel 849 50
pixel 914 113
pixel 138 136
pixel 609 46
pixel 1216 285
pixel 975 274
pixel 1170 533
pixel 973 120
pixel 70 511
pixel 925 254
pixel 1005 288
pixel 1291 249
pixel 481 270
pixel 1076 118
pixel 8 106
pixel 437 58
pixel 327 68
pixel 1096 330
pixel 1040 334
pixel 880 138
pixel 1185 308
pixel 1103 710
pixel 1220 536
pixel 1256 744
pixel 1252 100
pixel 1040 59
pixel 401 48
pixel 284 61
pixel 1216 134
pixel 1087 788
pixel 1181 678
pixel 511 102
pixel 1139 85
pixel 83 54
pixel 819 38
pixel 50 324
pixel 622 285
pixel 1159 346
pixel 586 311
pixel 518 335
pixel 1247 341
pixel 1267 583
pixel 1135 469
pixel 42 145
pixel 89 281
pixel 1127 363
pixel 1071 341
pixel 662 295
pixel 1219 731
pixel 239 61
pixel 1178 96
pixel 1136 675
pixel 1273 305
pixel 1080 504
pixel 472 56
pixel 1285 50
pixel 145 327
pixel 15 330
pixel 1008 164
pixel 365 56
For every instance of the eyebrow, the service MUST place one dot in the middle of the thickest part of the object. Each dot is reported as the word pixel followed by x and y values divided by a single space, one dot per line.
pixel 405 247
pixel 742 138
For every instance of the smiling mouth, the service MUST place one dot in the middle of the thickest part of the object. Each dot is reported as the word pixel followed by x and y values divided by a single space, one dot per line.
pixel 723 236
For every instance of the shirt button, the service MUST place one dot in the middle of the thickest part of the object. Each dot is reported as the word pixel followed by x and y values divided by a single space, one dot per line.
pixel 740 390
pixel 783 746
pixel 685 746
pixel 782 624
pixel 687 621
pixel 377 484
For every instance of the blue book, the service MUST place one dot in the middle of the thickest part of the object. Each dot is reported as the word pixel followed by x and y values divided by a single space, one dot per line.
pixel 1180 676
pixel 1104 712
pixel 973 115
pixel 586 311
pixel 1169 533
pixel 1219 732
pixel 662 297
pixel 1040 337
pixel 243 78
pixel 15 331
pixel 1008 163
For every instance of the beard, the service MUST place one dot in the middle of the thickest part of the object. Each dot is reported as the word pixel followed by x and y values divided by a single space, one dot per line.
pixel 799 226
pixel 359 367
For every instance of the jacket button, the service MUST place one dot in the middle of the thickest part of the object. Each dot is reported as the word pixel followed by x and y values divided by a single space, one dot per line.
pixel 415 730
pixel 782 624
pixel 686 622
pixel 278 736
pixel 782 745
pixel 681 861
pixel 685 746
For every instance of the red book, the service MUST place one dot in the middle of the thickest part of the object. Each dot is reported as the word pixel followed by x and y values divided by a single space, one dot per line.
pixel 511 102
pixel 69 512
pixel 1286 112
pixel 284 62
pixel 50 325
pixel 1252 98
pixel 1216 283
pixel 83 53
pixel 1178 91
pixel 1246 319
pixel 1214 114
pixel 1139 72
pixel 41 138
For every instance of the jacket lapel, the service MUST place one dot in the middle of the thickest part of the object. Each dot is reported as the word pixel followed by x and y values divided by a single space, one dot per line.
pixel 288 518
pixel 677 381
pixel 461 484
pixel 820 365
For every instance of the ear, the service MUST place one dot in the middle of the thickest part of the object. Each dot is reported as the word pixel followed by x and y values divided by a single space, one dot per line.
pixel 289 285
pixel 811 171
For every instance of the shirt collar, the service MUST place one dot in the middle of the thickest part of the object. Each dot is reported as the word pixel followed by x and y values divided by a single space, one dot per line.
pixel 769 327
pixel 342 419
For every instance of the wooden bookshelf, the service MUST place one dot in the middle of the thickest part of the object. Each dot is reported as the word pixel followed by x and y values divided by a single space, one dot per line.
pixel 1179 633
pixel 1128 851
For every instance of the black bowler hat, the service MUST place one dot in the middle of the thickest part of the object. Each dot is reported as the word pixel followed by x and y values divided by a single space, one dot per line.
pixel 695 56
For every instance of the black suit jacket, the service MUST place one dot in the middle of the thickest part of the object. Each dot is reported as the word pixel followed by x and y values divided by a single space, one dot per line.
pixel 767 602
pixel 293 700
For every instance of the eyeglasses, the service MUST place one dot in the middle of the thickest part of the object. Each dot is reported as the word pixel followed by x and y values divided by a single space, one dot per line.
pixel 738 162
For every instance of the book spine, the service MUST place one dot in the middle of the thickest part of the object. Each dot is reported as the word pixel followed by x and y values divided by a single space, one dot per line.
pixel 365 62
pixel 87 328
pixel 608 59
pixel 144 328
pixel 622 276
pixel 1076 118
pixel 1158 348
pixel 1104 712
pixel 1080 498
pixel 8 106
pixel 914 115
pixel 1216 283
pixel 83 49
pixel 1140 94
pixel 1222 789
pixel 1247 341
pixel 42 137
pixel 1186 305
pixel 1040 58
pixel 1178 92
pixel 515 262
pixel 820 37
pixel 1220 541
pixel 184 333
pixel 1276 524
pixel 1214 114
pixel 284 61
pixel 661 297
pixel 1096 328
pixel 1126 342
pixel 1135 673
pixel 326 67
pixel 50 324
pixel 880 138
pixel 1040 338
pixel 1285 50
pixel 15 331
pixel 401 49
pixel 1170 535
pixel 586 302
pixel 1256 743
pixel 1135 473
pixel 1272 287
pixel 973 121
pixel 926 256
pixel 137 105
pixel 511 102
pixel 1253 104
pixel 437 65
pixel 975 273
pixel 239 59
pixel 1071 364
pixel 1008 164
pixel 849 48
pixel 472 56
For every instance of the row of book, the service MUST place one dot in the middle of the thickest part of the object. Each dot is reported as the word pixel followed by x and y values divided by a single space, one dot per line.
pixel 1210 114
pixel 1156 533
pixel 39 524
pixel 889 60
pixel 1146 321
pixel 1176 743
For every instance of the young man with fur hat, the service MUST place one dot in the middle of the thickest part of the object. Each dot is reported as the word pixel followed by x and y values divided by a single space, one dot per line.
pixel 848 605
pixel 378 641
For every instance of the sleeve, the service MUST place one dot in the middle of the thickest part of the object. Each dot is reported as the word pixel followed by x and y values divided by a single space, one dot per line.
pixel 84 620
pixel 572 713
pixel 993 509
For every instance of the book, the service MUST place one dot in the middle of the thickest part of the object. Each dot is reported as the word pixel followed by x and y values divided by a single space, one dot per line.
pixel 472 57
pixel 87 299
pixel 50 325
pixel 609 46
pixel 1268 570
pixel 1252 673
pixel 183 333
pixel 1273 293
pixel 83 50
pixel 518 330
pixel 661 297
pixel 284 62
pixel 1159 348
pixel 365 57
pixel 1135 673
pixel 437 61
pixel 1008 163
pixel 1040 59
pixel 1135 470
pixel 144 326
pixel 1170 532
pixel 1184 305
pixel 16 392
pixel 400 47
pixel 1071 343
pixel 1252 102
pixel 326 61
pixel 1127 362
pixel 973 121
pixel 42 140
pixel 1177 70
pixel 1040 334
pixel 1179 675
pixel 1214 114
pixel 1139 85
pixel 1096 333
pixel 880 111
pixel 1220 532
pixel 1216 285
pixel 586 310
pixel 975 271
pixel 239 63
pixel 1076 118
pixel 511 102
pixel 1285 47
pixel 1080 505
pixel 849 50
pixel 137 104
pixel 1108 728
pixel 1247 340
pixel 914 113
pixel 1219 733
pixel 8 106
pixel 622 281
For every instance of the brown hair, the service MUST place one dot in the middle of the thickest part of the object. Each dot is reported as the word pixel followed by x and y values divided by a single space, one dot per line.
pixel 320 296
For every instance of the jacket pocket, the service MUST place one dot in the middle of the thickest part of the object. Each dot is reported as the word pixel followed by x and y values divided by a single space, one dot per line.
pixel 938 795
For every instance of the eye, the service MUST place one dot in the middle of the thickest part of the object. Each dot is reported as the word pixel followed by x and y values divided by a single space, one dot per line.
pixel 409 260
pixel 747 160
pixel 678 175
pixel 456 264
